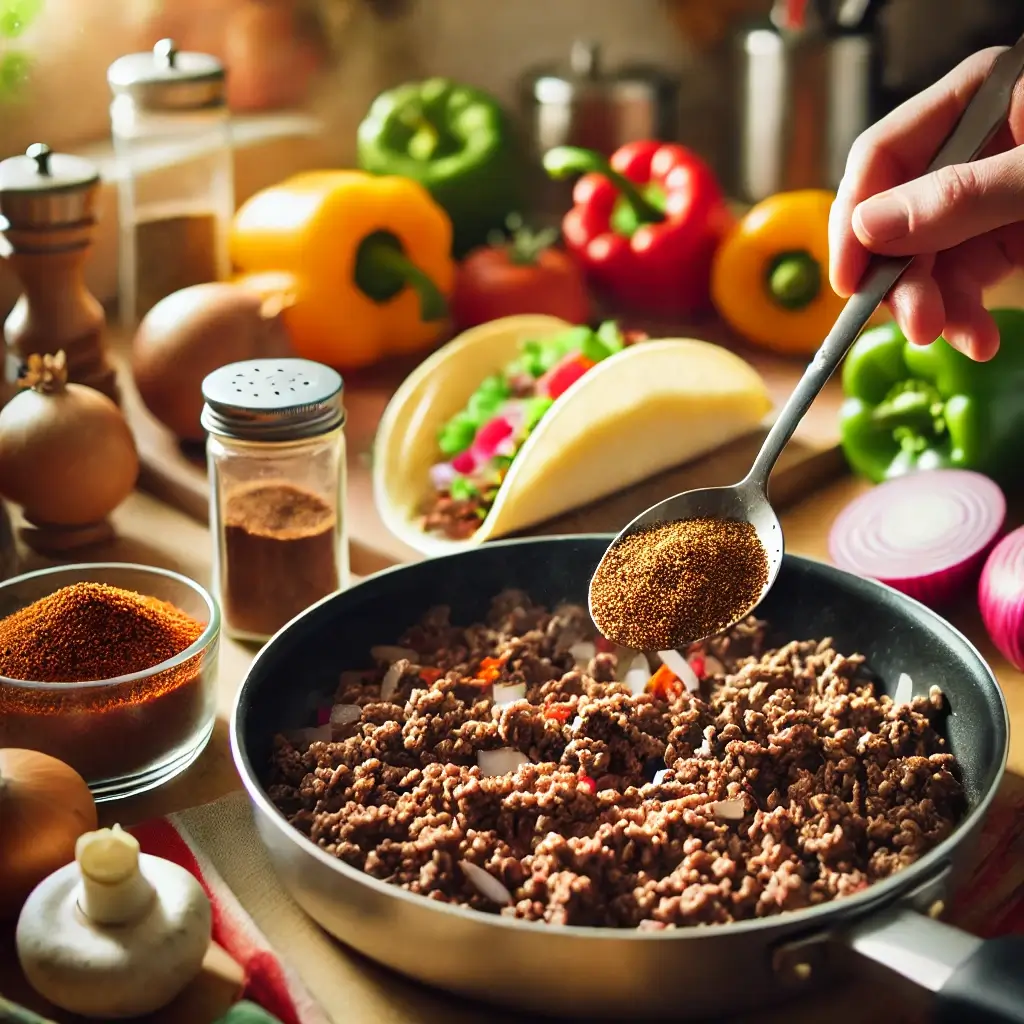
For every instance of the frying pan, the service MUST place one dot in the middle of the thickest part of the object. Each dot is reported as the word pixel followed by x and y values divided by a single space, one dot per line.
pixel 612 973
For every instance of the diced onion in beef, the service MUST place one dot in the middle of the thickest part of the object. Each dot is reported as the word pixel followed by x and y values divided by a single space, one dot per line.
pixel 389 684
pixel 345 714
pixel 674 661
pixel 303 737
pixel 712 666
pixel 582 653
pixel 904 689
pixel 577 724
pixel 728 810
pixel 659 776
pixel 638 675
pixel 391 654
pixel 485 883
pixel 505 693
pixel 501 761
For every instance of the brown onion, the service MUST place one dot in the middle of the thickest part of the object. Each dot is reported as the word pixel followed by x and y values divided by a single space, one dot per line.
pixel 44 807
pixel 67 456
pixel 193 332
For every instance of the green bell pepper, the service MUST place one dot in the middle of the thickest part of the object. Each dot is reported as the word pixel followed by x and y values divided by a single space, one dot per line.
pixel 911 407
pixel 455 141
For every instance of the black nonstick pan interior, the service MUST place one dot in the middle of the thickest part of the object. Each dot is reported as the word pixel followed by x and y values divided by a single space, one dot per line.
pixel 809 600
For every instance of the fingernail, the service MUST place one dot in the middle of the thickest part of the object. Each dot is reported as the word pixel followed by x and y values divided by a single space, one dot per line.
pixel 883 218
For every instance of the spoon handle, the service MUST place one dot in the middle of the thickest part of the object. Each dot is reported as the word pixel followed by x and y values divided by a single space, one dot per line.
pixel 979 122
pixel 881 275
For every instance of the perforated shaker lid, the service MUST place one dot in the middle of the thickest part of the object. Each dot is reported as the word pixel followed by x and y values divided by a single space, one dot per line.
pixel 273 400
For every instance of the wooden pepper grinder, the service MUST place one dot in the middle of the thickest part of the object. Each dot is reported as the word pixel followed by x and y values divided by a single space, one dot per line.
pixel 48 202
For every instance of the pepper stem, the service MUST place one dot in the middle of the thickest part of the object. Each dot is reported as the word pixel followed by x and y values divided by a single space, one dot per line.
pixel 563 161
pixel 910 410
pixel 794 279
pixel 383 270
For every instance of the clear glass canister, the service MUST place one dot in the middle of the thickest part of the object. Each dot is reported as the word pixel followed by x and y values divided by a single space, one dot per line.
pixel 172 138
pixel 276 456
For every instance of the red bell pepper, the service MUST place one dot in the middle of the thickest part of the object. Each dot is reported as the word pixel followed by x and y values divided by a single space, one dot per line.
pixel 644 225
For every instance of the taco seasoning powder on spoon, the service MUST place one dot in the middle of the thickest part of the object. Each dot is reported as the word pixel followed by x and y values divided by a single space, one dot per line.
pixel 276 454
pixel 670 584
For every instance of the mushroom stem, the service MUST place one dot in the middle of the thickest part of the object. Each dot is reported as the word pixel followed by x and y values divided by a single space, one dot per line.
pixel 114 890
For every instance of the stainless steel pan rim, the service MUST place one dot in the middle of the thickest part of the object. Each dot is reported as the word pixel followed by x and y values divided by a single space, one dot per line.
pixel 876 896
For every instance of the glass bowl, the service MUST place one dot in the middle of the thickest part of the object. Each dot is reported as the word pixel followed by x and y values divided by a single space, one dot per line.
pixel 130 733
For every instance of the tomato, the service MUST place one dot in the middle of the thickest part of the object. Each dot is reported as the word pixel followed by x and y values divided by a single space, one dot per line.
pixel 518 277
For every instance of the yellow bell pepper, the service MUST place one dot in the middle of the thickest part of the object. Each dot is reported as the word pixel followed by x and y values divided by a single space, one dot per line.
pixel 769 279
pixel 365 262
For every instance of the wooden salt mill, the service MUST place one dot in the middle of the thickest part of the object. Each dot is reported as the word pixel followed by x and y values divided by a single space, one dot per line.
pixel 48 201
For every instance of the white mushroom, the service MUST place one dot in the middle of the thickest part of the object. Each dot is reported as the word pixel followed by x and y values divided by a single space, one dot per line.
pixel 115 934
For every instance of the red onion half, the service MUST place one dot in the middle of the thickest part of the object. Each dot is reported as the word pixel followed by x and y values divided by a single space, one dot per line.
pixel 925 534
pixel 1001 597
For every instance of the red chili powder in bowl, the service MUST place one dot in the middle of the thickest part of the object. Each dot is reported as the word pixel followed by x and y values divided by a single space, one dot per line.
pixel 89 632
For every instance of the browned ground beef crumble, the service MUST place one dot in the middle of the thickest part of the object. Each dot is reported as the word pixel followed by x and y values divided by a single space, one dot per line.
pixel 839 787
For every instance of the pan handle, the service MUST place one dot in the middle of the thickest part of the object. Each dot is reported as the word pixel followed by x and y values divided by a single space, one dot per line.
pixel 976 980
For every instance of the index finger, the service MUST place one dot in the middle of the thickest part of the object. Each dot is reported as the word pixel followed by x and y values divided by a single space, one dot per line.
pixel 896 149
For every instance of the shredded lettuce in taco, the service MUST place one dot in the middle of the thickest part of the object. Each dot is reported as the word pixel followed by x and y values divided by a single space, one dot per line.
pixel 479 443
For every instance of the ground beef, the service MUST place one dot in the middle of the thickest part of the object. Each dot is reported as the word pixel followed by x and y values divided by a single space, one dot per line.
pixel 619 819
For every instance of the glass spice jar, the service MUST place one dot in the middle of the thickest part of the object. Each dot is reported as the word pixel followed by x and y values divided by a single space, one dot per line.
pixel 172 139
pixel 276 455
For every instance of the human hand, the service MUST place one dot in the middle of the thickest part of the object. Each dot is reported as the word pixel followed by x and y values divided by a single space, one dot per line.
pixel 965 223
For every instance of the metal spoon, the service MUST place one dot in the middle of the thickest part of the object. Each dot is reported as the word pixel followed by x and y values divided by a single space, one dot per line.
pixel 748 500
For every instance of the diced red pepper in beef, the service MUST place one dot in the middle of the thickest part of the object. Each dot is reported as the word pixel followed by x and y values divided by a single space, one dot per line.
pixel 586 782
pixel 559 712
pixel 490 669
pixel 430 675
pixel 665 683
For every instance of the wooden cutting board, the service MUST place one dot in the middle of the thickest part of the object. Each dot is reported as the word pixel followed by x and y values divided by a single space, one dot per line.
pixel 178 476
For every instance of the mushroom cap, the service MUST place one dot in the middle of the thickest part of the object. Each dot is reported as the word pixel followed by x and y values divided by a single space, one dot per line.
pixel 113 973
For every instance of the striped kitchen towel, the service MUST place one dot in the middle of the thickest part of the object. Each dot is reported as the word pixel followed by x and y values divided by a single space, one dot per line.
pixel 269 981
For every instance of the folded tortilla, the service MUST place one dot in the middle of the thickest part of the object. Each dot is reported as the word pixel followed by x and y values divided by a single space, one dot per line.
pixel 652 406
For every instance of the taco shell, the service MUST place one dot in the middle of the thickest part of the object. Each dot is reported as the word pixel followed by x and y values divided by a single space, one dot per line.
pixel 652 406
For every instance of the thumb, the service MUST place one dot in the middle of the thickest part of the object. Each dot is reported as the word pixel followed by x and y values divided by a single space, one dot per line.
pixel 943 208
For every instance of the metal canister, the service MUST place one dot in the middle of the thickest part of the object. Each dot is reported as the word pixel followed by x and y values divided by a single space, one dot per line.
pixel 803 98
pixel 585 105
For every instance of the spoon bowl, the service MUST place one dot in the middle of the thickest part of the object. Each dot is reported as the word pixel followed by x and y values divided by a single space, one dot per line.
pixel 746 502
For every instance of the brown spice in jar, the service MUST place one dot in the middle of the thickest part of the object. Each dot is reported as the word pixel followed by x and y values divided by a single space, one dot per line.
pixel 674 583
pixel 172 253
pixel 92 632
pixel 280 555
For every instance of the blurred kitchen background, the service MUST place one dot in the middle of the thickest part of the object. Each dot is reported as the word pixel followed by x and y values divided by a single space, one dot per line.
pixel 770 94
